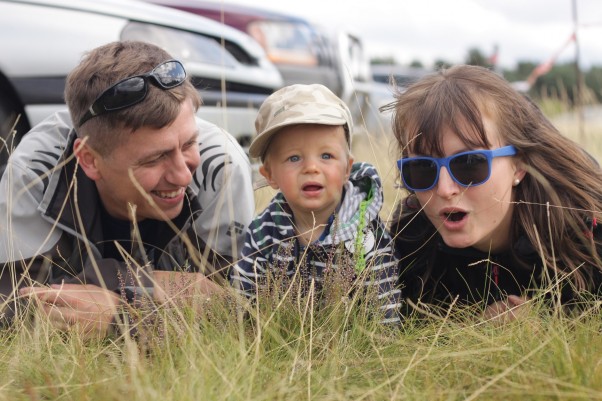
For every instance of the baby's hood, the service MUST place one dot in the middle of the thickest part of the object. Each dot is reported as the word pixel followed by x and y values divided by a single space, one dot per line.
pixel 363 196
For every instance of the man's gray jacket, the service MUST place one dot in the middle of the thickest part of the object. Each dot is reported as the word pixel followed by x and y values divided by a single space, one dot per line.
pixel 50 216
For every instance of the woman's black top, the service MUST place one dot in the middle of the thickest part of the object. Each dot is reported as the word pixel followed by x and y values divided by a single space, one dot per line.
pixel 434 273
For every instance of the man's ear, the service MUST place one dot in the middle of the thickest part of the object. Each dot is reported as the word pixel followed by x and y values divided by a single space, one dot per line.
pixel 264 170
pixel 87 158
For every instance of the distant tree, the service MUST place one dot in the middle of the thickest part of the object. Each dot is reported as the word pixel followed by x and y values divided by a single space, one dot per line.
pixel 525 68
pixel 441 64
pixel 593 80
pixel 560 82
pixel 522 71
pixel 389 60
pixel 476 57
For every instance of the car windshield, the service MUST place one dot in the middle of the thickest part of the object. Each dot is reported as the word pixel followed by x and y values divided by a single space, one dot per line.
pixel 184 46
pixel 285 42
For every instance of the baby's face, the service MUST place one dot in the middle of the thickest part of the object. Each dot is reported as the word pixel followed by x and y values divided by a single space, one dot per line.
pixel 309 163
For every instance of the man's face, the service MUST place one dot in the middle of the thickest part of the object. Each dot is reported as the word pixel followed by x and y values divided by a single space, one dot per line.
pixel 150 170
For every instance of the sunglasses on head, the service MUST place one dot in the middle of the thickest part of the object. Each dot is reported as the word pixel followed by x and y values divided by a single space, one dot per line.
pixel 132 90
pixel 470 168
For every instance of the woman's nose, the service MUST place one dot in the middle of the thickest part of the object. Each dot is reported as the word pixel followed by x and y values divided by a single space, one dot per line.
pixel 446 186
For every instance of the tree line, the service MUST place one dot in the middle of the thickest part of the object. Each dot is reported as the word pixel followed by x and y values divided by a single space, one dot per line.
pixel 561 81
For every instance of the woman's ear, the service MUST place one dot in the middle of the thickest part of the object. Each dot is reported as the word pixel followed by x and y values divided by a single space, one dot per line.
pixel 349 166
pixel 265 171
pixel 519 172
pixel 87 158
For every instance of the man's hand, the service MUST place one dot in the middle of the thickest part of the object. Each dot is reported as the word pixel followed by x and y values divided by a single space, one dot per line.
pixel 84 308
pixel 506 311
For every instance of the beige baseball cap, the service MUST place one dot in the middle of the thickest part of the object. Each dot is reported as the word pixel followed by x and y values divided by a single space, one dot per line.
pixel 298 104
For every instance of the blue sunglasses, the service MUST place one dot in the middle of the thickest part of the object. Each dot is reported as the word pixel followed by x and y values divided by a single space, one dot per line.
pixel 470 168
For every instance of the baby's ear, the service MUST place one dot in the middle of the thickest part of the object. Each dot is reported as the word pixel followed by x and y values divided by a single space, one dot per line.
pixel 349 166
pixel 264 170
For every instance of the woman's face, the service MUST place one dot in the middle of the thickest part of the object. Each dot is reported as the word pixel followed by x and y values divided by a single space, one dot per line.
pixel 478 216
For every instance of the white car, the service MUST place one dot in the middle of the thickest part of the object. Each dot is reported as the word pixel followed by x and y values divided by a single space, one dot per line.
pixel 43 40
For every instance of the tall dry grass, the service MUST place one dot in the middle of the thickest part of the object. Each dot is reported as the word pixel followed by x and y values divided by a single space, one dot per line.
pixel 289 350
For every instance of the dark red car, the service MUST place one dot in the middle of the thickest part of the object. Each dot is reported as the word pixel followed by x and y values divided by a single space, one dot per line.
pixel 300 51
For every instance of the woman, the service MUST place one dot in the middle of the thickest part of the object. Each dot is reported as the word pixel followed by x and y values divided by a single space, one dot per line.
pixel 501 206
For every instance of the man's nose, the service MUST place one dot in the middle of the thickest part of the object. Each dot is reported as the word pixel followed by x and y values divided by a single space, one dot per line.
pixel 180 171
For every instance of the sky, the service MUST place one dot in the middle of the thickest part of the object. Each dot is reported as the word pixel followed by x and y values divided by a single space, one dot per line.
pixel 430 30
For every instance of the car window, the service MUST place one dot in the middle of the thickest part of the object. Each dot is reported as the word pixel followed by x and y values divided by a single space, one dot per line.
pixel 185 46
pixel 285 42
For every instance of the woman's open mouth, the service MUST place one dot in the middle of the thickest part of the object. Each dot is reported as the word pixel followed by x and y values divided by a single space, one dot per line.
pixel 453 219
pixel 454 216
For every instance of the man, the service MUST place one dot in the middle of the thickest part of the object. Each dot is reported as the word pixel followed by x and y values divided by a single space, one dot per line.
pixel 136 197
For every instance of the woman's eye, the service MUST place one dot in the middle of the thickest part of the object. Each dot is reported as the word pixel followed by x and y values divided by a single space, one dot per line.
pixel 294 158
pixel 326 156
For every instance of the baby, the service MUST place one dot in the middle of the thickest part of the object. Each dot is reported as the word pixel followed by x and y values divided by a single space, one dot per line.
pixel 326 205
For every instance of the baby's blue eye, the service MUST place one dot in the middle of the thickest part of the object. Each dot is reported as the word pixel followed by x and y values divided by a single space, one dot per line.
pixel 294 158
pixel 326 156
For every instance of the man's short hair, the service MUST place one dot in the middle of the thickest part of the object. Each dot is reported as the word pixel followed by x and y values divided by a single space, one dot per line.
pixel 108 64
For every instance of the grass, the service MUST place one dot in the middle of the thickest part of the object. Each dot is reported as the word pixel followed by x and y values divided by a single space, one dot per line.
pixel 296 352
pixel 288 349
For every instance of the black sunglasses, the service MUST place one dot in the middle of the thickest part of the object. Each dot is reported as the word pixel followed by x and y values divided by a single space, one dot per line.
pixel 470 168
pixel 132 90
